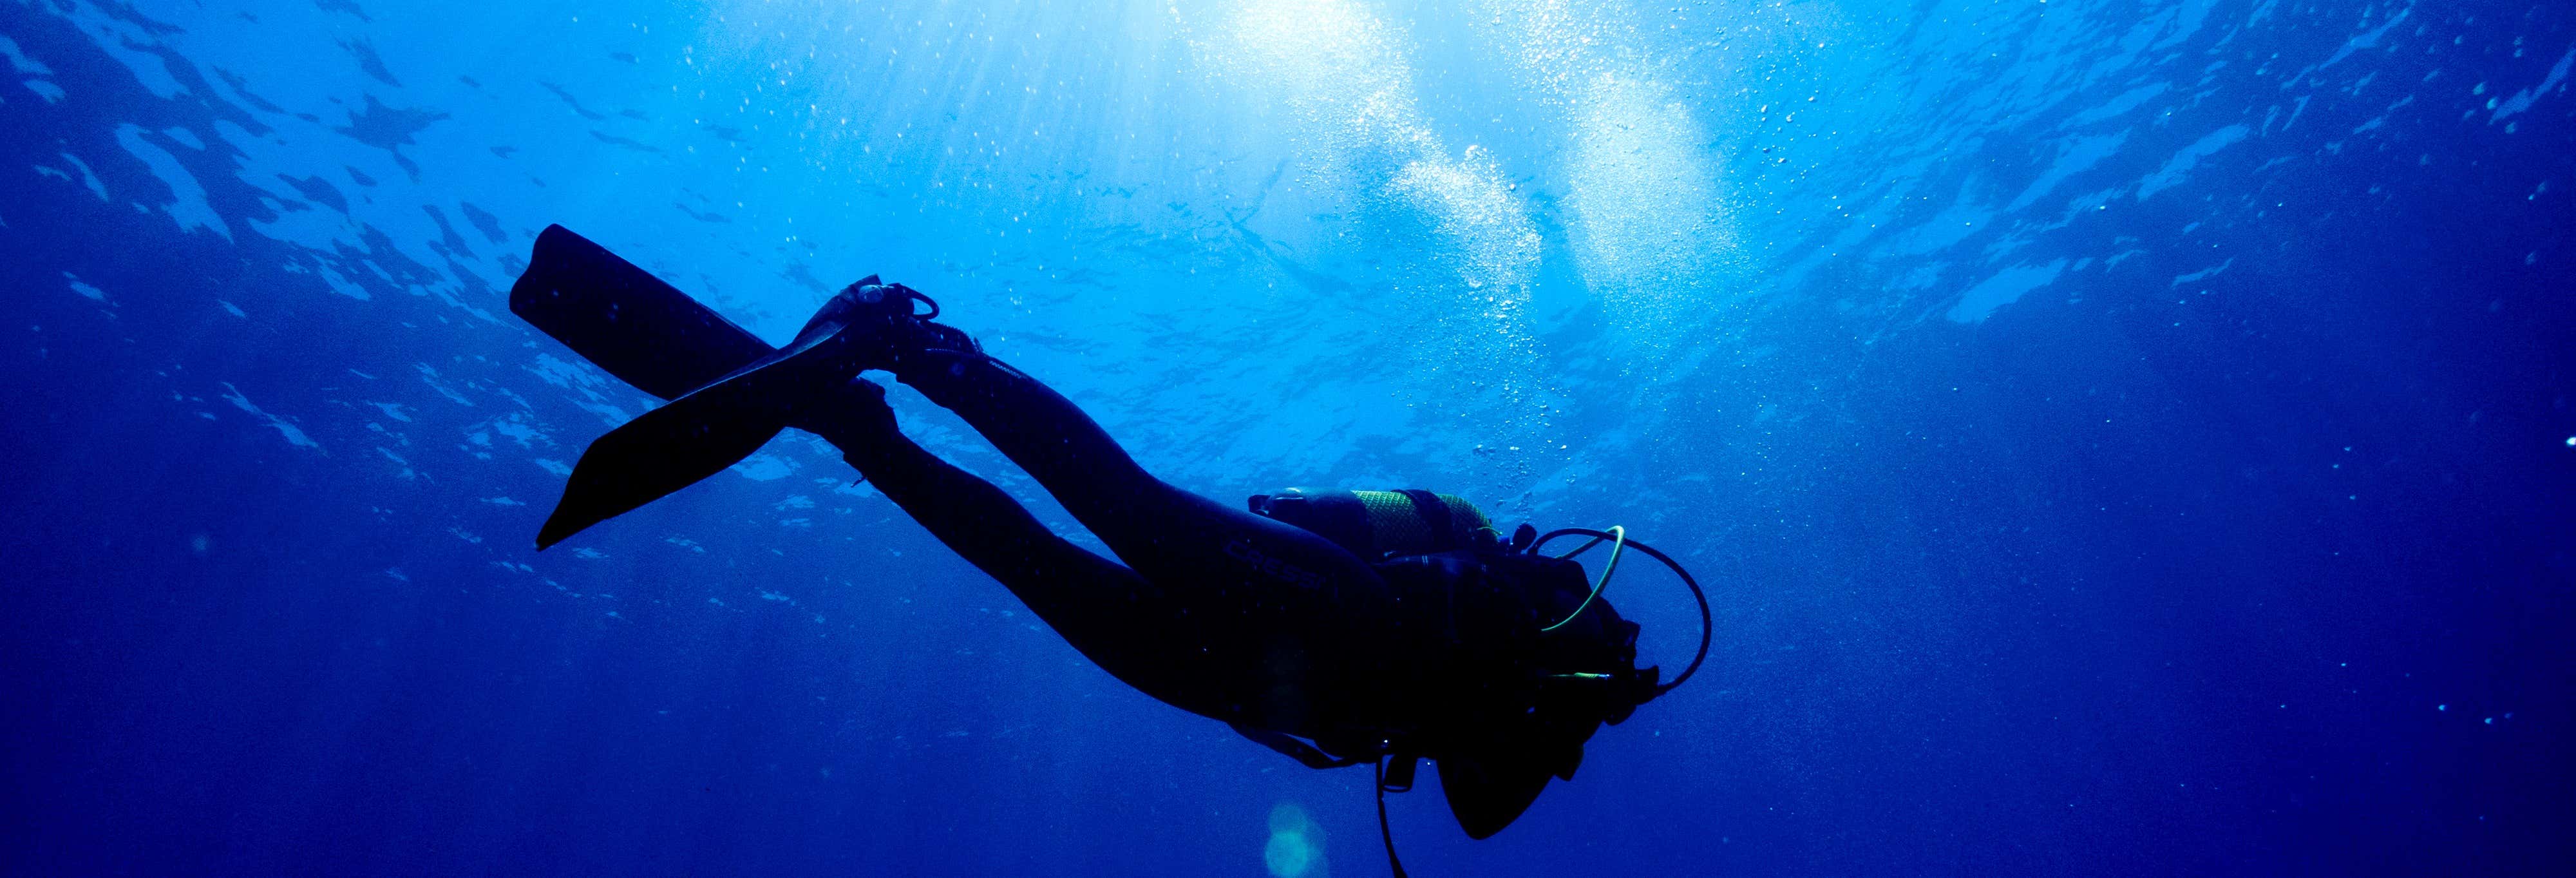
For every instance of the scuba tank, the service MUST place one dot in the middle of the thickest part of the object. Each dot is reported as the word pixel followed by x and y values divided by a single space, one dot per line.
pixel 1378 524
pixel 1443 544
pixel 1577 673
pixel 1489 591
pixel 1415 531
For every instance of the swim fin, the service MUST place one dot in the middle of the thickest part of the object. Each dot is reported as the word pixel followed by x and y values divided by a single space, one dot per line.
pixel 626 321
pixel 730 392
pixel 645 460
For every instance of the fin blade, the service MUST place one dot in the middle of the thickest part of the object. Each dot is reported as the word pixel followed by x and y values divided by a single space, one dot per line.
pixel 626 321
pixel 664 450
pixel 692 437
pixel 665 343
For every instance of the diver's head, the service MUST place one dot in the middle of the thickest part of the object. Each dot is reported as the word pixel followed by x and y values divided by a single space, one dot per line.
pixel 1582 673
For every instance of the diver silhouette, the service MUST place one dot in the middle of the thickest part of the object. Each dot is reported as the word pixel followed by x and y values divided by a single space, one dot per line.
pixel 1337 627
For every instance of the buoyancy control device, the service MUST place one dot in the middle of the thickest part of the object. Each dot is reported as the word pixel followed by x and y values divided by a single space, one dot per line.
pixel 1585 671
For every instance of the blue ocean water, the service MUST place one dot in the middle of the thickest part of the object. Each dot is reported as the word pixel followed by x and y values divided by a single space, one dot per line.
pixel 2121 437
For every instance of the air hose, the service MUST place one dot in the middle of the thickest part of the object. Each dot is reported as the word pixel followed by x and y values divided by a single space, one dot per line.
pixel 1618 543
pixel 1618 539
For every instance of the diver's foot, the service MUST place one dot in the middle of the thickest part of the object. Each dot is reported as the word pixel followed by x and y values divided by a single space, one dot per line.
pixel 846 413
pixel 881 326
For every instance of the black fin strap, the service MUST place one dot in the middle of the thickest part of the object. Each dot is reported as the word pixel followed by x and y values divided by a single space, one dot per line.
pixel 911 294
pixel 1383 833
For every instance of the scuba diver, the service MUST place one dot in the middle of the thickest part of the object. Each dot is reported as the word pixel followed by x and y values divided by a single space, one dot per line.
pixel 1337 627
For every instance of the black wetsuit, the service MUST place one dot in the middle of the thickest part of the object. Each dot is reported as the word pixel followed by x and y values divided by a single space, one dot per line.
pixel 1247 620
pixel 1215 610
pixel 1276 630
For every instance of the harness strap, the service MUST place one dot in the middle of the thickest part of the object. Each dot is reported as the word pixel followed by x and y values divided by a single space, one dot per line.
pixel 1383 833
pixel 1306 754
pixel 1311 757
pixel 1435 514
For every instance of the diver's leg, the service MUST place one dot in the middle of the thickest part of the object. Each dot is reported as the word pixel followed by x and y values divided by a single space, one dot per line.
pixel 1233 616
pixel 1106 611
pixel 1165 533
pixel 1238 618
pixel 974 518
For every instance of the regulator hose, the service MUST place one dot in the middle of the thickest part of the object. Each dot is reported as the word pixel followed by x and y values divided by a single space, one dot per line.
pixel 1618 539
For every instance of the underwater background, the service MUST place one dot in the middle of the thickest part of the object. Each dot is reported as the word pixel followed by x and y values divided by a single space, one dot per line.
pixel 2119 437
